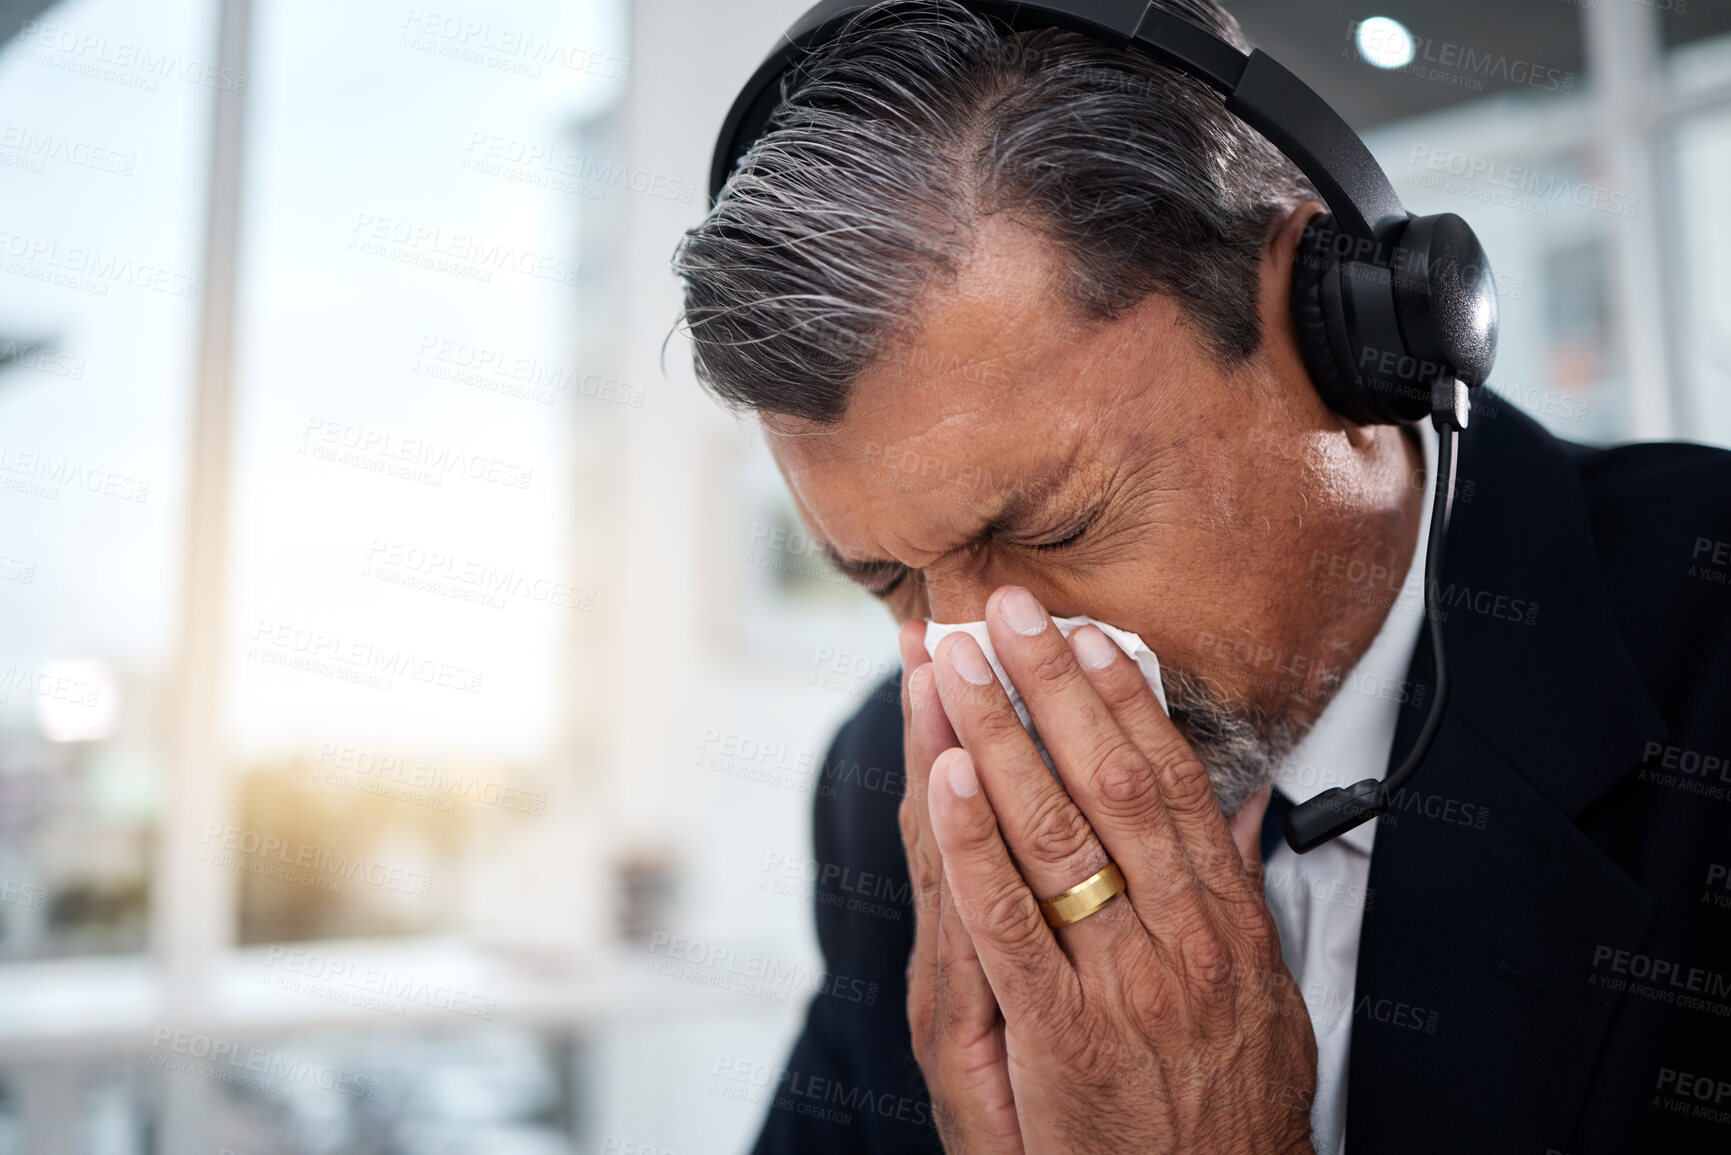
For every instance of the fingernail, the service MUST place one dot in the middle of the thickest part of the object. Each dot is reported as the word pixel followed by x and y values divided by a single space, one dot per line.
pixel 1022 612
pixel 959 773
pixel 1093 648
pixel 969 661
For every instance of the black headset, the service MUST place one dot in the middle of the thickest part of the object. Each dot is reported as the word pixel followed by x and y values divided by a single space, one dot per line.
pixel 1396 314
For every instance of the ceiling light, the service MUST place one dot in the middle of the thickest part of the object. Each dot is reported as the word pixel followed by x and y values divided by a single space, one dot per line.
pixel 1384 42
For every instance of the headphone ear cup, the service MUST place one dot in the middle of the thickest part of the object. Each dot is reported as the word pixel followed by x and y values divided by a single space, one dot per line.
pixel 1319 321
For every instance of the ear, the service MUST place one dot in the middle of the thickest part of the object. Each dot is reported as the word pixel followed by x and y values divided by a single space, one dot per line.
pixel 1274 303
pixel 1279 337
pixel 1285 233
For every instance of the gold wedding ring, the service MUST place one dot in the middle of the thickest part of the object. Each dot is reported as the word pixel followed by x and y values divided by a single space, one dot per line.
pixel 1084 898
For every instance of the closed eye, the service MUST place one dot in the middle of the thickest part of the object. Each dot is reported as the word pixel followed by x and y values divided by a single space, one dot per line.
pixel 1069 539
pixel 877 578
pixel 884 591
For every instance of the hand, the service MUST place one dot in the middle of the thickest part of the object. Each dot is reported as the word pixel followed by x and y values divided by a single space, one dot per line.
pixel 1166 1020
pixel 958 1034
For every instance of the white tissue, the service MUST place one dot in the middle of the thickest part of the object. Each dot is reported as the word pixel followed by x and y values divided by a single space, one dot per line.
pixel 1130 643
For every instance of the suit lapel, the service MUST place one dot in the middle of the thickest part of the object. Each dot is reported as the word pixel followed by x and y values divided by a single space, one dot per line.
pixel 1488 901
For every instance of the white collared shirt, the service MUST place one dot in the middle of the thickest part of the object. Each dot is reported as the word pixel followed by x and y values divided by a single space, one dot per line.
pixel 1318 899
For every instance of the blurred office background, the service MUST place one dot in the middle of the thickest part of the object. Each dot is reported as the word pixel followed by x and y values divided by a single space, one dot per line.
pixel 411 686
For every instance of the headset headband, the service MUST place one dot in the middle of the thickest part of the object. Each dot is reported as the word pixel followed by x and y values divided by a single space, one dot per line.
pixel 1258 90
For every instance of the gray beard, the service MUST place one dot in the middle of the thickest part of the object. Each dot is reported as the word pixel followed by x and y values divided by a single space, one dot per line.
pixel 1240 746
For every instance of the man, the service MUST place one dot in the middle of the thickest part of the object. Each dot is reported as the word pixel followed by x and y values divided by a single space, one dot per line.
pixel 1013 312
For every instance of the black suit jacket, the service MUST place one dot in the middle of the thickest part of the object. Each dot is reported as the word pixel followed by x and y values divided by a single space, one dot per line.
pixel 1553 894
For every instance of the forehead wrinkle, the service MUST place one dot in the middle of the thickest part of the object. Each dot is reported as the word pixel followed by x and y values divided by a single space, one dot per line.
pixel 997 505
pixel 982 321
pixel 958 376
pixel 906 552
pixel 805 466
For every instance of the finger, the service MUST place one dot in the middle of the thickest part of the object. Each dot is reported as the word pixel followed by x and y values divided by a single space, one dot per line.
pixel 1108 775
pixel 928 734
pixel 950 1004
pixel 1029 975
pixel 923 870
pixel 911 641
pixel 966 1045
pixel 1182 788
pixel 1053 844
pixel 925 731
pixel 1187 881
pixel 1246 830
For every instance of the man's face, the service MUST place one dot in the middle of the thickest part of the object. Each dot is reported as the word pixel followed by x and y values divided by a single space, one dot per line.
pixel 1110 467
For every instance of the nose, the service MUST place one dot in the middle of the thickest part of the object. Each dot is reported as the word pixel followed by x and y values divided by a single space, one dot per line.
pixel 957 597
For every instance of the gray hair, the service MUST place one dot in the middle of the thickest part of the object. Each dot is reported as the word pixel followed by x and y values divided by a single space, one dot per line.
pixel 1241 746
pixel 921 118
